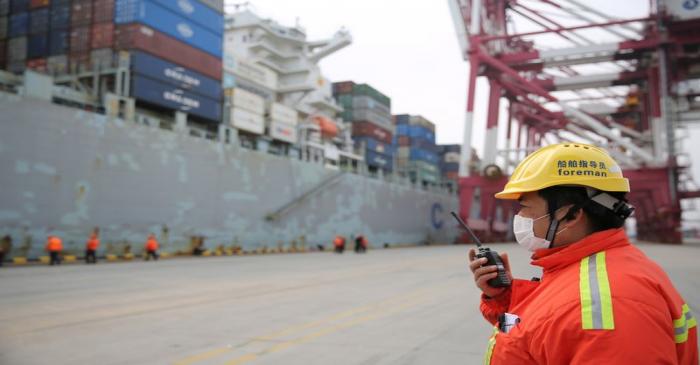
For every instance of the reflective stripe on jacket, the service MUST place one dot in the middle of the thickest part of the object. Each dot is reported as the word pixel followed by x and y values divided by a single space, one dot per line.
pixel 600 301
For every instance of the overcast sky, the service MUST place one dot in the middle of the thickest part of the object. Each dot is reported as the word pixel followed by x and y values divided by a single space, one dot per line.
pixel 408 50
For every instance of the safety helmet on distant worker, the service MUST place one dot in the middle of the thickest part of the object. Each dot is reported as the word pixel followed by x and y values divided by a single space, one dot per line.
pixel 569 164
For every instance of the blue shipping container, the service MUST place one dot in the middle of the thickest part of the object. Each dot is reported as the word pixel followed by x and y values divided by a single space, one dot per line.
pixel 168 96
pixel 170 73
pixel 38 46
pixel 39 21
pixel 449 166
pixel 59 3
pixel 422 155
pixel 163 20
pixel 60 16
pixel 19 25
pixel 450 148
pixel 374 145
pixel 423 144
pixel 379 160
pixel 196 12
pixel 415 131
pixel 58 42
pixel 19 6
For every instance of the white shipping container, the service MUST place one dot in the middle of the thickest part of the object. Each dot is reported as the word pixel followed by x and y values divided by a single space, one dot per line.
pixel 403 152
pixel 247 121
pixel 57 65
pixel 257 74
pixel 283 132
pixel 103 58
pixel 367 115
pixel 683 9
pixel 365 102
pixel 242 99
pixel 283 113
pixel 451 157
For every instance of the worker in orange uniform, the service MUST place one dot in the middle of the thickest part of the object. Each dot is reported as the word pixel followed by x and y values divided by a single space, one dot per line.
pixel 600 299
pixel 339 244
pixel 360 244
pixel 54 246
pixel 91 247
pixel 151 247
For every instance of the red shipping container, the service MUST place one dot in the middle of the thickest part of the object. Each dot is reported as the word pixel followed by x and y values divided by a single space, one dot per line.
pixel 33 4
pixel 37 64
pixel 102 35
pixel 81 13
pixel 80 40
pixel 79 62
pixel 404 141
pixel 103 11
pixel 141 37
pixel 344 87
pixel 367 129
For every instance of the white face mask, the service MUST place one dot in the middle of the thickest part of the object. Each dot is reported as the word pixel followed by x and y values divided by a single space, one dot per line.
pixel 524 231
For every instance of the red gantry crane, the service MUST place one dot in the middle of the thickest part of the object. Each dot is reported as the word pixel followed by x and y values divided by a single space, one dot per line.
pixel 572 72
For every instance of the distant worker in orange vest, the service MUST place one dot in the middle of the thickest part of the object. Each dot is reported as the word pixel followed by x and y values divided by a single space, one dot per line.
pixel 360 244
pixel 54 246
pixel 339 244
pixel 151 247
pixel 91 247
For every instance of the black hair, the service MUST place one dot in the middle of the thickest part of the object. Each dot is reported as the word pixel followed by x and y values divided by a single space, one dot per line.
pixel 600 217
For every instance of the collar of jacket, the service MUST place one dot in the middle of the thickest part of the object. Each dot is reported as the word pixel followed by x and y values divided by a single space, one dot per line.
pixel 553 259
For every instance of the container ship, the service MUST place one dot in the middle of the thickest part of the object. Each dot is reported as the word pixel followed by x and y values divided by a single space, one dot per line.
pixel 200 126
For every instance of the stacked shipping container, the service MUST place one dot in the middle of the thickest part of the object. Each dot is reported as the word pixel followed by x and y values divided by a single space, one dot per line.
pixel 416 150
pixel 247 111
pixel 449 161
pixel 184 42
pixel 369 111
pixel 175 45
pixel 282 123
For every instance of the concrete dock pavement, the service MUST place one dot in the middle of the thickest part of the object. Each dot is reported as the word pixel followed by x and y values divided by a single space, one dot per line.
pixel 404 306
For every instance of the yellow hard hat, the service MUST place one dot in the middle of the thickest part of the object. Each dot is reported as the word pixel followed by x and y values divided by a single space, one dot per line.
pixel 572 164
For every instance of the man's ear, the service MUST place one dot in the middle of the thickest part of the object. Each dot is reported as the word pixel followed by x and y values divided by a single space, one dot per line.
pixel 573 214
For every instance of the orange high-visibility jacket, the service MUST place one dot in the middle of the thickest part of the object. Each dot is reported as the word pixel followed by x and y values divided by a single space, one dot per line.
pixel 93 243
pixel 339 241
pixel 151 244
pixel 54 244
pixel 600 301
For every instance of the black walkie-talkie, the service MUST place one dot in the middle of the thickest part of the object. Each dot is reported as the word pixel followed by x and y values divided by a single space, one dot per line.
pixel 492 258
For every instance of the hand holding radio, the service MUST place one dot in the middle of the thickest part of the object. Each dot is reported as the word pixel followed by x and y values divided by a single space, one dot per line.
pixel 491 272
pixel 486 274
